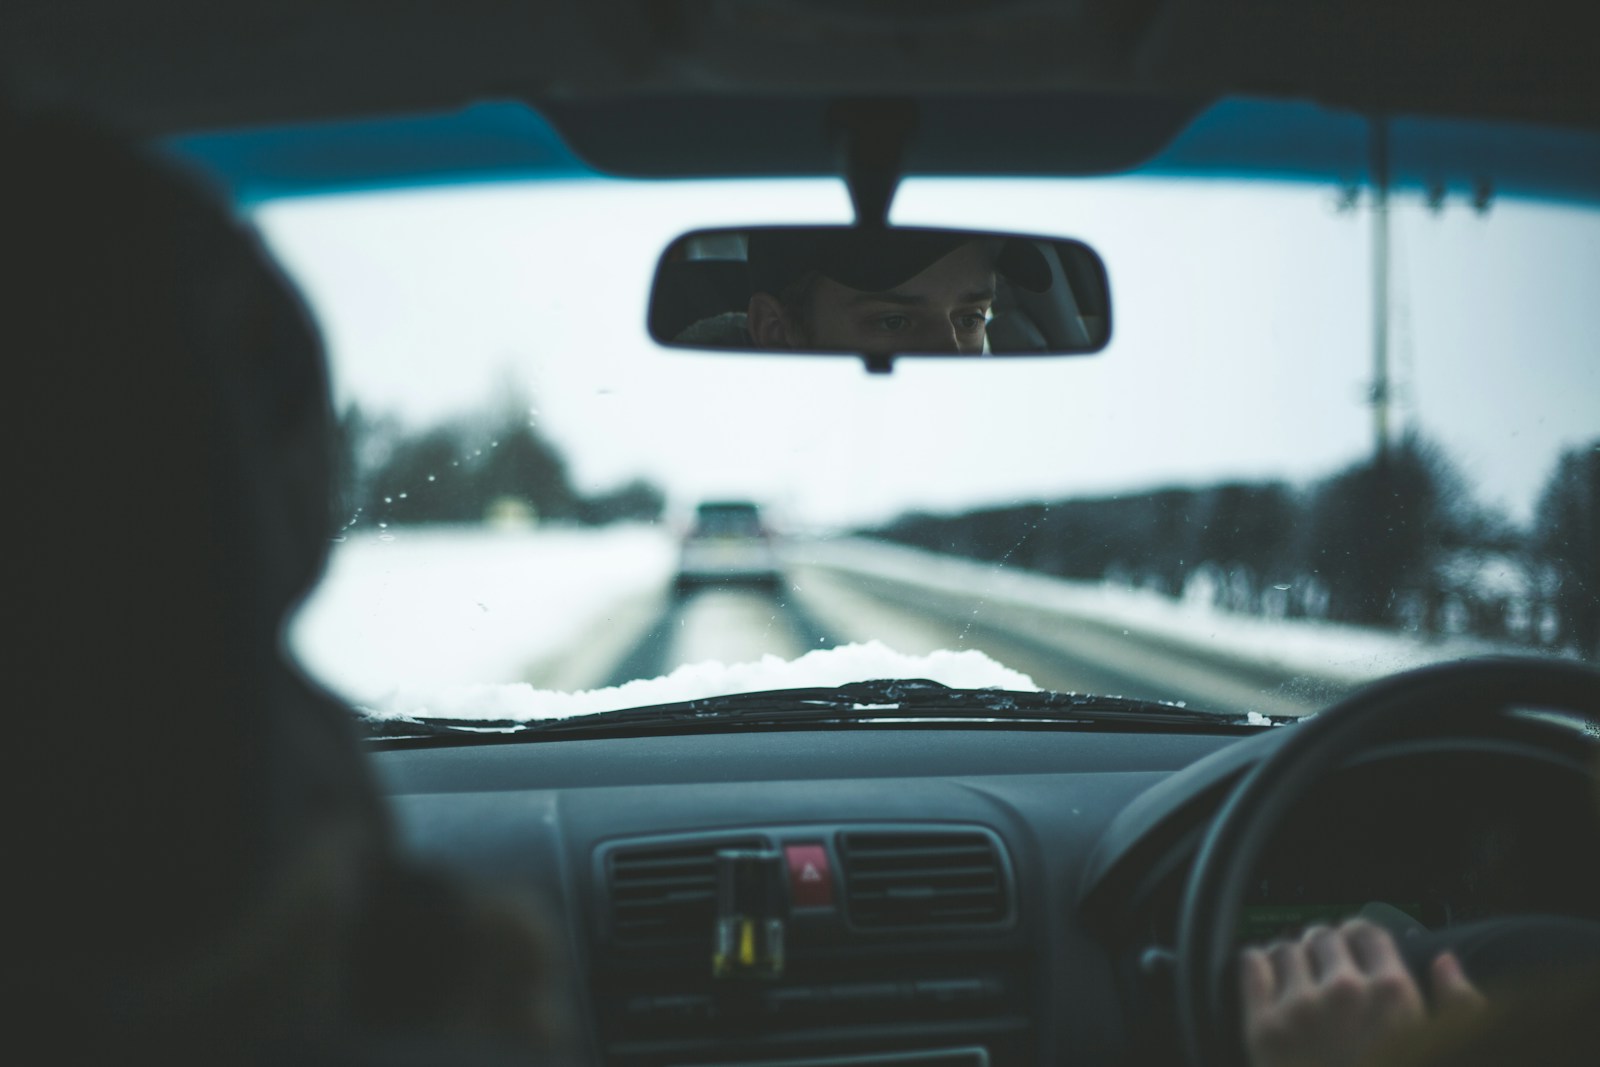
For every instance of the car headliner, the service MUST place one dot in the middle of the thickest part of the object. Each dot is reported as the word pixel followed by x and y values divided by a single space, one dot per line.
pixel 699 87
pixel 164 66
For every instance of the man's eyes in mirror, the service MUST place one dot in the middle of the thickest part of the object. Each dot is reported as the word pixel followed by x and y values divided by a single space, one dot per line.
pixel 891 323
pixel 972 320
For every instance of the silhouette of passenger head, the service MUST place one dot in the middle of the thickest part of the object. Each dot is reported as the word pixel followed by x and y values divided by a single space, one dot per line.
pixel 173 490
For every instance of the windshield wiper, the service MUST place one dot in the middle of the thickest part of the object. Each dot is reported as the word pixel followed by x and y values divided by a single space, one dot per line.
pixel 872 701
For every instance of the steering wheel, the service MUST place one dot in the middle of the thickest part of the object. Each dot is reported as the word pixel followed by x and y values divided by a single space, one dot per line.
pixel 1440 701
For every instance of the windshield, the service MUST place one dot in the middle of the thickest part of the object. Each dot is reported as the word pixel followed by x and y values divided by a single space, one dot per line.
pixel 542 513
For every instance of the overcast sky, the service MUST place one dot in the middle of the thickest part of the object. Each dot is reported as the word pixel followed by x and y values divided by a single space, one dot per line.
pixel 1242 340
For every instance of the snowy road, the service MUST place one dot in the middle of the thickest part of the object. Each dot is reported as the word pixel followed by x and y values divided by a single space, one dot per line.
pixel 1068 655
pixel 729 625
pixel 825 608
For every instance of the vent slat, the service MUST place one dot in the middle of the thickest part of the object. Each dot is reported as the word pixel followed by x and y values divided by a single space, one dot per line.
pixel 894 855
pixel 930 874
pixel 664 885
pixel 922 879
pixel 690 861
pixel 919 892
pixel 636 907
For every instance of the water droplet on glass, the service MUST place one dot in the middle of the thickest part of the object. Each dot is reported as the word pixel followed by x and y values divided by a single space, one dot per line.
pixel 388 500
pixel 430 477
pixel 386 537
pixel 1281 588
pixel 402 496
pixel 385 526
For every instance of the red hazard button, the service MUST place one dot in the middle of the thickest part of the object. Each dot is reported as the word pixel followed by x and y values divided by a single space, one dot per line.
pixel 810 879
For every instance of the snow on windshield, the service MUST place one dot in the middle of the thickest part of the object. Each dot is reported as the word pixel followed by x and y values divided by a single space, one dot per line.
pixel 1197 515
pixel 841 665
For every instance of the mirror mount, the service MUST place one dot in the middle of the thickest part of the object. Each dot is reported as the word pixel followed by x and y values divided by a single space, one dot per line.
pixel 878 362
pixel 871 136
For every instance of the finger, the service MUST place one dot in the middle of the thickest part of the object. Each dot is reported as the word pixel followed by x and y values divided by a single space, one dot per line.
pixel 1257 983
pixel 1329 954
pixel 1392 994
pixel 1452 989
pixel 1291 969
pixel 1371 947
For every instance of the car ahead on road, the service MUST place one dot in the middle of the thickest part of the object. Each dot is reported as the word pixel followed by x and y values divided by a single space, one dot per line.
pixel 1272 604
pixel 728 544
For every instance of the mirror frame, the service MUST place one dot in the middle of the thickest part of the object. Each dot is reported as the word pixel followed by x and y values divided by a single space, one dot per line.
pixel 1084 272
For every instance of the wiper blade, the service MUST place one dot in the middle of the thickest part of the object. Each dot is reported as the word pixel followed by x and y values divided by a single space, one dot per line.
pixel 884 699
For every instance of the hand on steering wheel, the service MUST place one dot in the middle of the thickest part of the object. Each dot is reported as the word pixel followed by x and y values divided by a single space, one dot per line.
pixel 1440 702
pixel 1333 996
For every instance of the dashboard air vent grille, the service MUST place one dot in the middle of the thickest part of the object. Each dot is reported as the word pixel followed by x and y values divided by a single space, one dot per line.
pixel 923 878
pixel 666 893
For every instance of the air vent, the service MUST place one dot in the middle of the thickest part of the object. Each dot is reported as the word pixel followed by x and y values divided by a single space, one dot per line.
pixel 667 893
pixel 922 878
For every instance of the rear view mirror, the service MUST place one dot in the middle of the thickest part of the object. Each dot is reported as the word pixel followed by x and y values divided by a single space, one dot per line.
pixel 880 293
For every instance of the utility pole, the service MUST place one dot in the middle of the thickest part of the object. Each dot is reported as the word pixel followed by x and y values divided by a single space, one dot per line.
pixel 1378 127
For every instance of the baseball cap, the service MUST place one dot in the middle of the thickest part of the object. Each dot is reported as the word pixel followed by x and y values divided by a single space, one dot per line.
pixel 876 260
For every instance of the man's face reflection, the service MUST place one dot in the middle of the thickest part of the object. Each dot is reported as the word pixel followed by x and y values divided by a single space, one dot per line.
pixel 944 308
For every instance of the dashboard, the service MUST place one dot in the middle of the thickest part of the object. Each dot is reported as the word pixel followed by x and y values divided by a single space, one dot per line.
pixel 963 896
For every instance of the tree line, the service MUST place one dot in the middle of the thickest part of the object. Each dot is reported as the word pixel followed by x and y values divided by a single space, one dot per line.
pixel 471 469
pixel 1395 541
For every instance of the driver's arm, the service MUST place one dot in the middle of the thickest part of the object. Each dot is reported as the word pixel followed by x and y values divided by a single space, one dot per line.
pixel 1335 996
